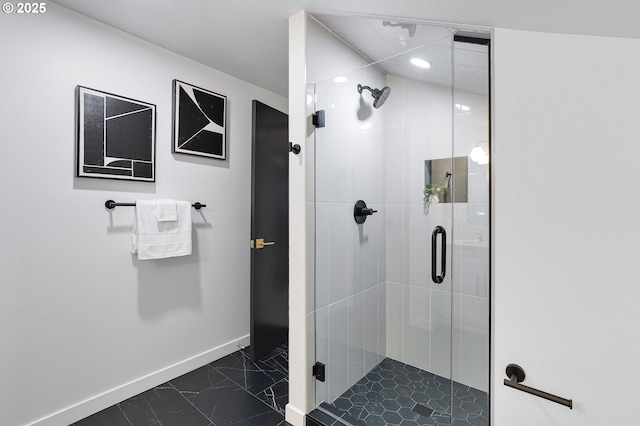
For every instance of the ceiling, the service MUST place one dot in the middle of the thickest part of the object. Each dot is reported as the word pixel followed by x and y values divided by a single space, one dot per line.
pixel 391 45
pixel 248 38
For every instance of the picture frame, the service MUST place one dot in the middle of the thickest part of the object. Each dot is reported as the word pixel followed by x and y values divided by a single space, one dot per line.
pixel 116 136
pixel 199 121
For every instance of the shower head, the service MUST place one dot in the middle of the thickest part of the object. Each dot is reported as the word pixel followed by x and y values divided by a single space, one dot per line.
pixel 379 95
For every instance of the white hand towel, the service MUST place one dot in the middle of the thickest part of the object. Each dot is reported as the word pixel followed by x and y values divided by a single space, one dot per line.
pixel 166 210
pixel 152 239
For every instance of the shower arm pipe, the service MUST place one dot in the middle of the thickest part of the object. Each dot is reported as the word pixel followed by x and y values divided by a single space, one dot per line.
pixel 516 375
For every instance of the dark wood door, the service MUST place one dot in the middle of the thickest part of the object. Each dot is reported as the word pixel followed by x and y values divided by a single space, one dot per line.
pixel 269 230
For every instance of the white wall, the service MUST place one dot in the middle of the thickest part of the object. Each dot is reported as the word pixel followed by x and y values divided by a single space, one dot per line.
pixel 84 324
pixel 567 234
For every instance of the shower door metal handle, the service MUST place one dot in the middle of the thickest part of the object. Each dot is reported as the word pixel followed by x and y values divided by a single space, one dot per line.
pixel 438 279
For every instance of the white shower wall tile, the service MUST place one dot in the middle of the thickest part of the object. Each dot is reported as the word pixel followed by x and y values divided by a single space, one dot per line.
pixel 356 338
pixel 456 337
pixel 417 101
pixel 322 349
pixel 417 327
pixel 358 248
pixel 474 101
pixel 470 128
pixel 371 328
pixel 394 316
pixel 382 321
pixel 310 212
pixel 418 247
pixel 367 170
pixel 441 133
pixel 369 235
pixel 416 146
pixel 338 344
pixel 341 167
pixel 309 149
pixel 406 242
pixel 395 243
pixel 394 106
pixel 382 158
pixel 382 243
pixel 441 98
pixel 323 137
pixel 474 342
pixel 322 247
pixel 473 271
pixel 440 333
pixel 478 187
pixel 395 165
pixel 340 251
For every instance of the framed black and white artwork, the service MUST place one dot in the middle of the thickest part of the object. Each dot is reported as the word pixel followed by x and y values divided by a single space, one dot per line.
pixel 116 136
pixel 199 118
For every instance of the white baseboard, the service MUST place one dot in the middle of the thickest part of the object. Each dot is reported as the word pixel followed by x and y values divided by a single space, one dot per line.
pixel 104 400
pixel 294 416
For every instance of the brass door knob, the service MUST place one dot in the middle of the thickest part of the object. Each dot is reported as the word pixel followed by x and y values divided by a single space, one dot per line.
pixel 260 243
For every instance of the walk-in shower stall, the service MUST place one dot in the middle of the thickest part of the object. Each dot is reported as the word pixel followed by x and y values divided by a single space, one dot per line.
pixel 400 143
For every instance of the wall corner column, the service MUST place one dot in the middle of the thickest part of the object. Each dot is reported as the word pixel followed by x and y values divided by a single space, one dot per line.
pixel 301 384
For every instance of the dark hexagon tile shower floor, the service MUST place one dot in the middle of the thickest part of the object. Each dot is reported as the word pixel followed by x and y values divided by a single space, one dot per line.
pixel 388 393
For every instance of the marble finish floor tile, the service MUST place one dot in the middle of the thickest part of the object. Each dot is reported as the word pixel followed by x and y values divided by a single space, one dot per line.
pixel 112 416
pixel 229 391
pixel 255 377
pixel 162 405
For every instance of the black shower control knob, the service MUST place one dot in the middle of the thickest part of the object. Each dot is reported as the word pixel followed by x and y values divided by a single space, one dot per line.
pixel 361 211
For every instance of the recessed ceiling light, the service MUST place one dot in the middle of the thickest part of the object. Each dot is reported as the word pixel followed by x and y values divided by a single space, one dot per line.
pixel 340 79
pixel 418 62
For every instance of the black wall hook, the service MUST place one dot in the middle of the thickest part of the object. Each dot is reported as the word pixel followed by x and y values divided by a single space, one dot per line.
pixel 294 148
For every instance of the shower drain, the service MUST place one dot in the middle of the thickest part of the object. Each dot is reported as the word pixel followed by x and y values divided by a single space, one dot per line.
pixel 422 410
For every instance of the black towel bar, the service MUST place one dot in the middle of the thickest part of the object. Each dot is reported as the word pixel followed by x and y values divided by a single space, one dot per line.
pixel 516 375
pixel 110 204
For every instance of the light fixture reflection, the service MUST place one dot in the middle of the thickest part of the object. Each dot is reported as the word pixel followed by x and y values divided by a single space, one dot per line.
pixel 419 62
pixel 462 107
pixel 478 154
pixel 340 79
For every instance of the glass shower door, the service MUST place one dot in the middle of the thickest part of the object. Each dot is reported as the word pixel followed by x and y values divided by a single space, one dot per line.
pixel 471 223
pixel 383 314
pixel 401 293
pixel 350 256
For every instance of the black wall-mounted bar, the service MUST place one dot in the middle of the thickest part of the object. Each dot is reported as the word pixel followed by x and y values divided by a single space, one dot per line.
pixel 516 375
pixel 110 204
